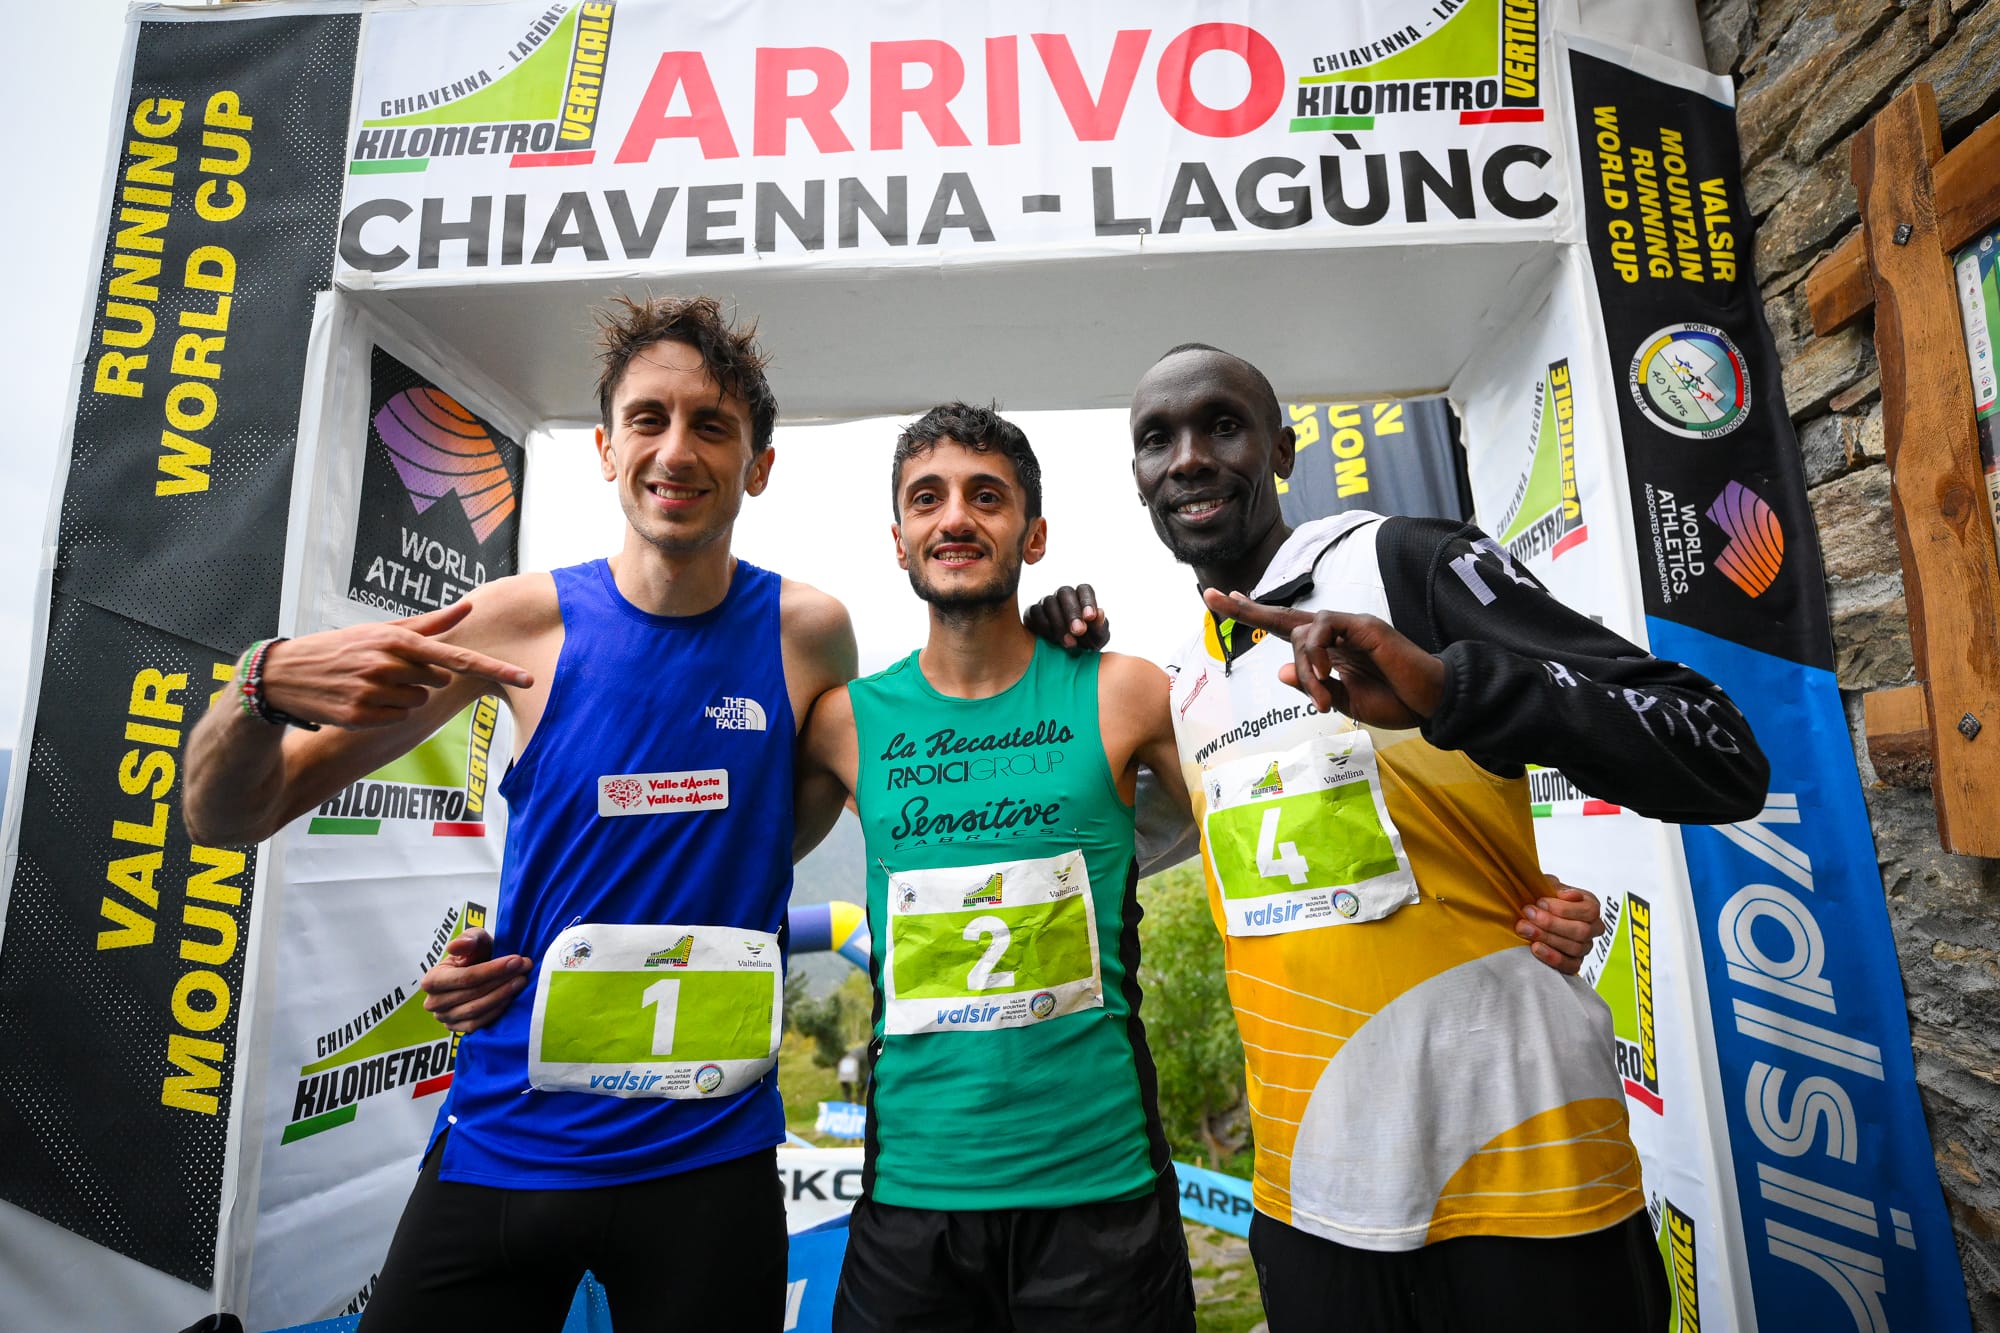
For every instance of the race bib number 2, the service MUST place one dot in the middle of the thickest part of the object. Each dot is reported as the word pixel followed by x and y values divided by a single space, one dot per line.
pixel 996 946
pixel 1302 839
pixel 656 1011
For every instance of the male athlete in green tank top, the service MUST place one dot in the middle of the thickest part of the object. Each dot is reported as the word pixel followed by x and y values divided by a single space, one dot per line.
pixel 1016 1174
pixel 1000 898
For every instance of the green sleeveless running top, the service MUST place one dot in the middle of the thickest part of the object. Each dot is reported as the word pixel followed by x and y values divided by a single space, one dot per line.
pixel 1011 1069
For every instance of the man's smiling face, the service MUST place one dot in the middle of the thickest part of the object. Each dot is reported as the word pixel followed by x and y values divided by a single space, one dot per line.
pixel 1207 446
pixel 963 532
pixel 679 450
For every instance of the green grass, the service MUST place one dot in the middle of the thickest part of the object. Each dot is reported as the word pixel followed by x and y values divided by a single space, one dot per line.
pixel 1225 1282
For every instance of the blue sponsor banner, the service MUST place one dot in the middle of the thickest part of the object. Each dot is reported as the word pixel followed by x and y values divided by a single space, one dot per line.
pixel 842 1120
pixel 811 1274
pixel 1213 1199
pixel 1839 1195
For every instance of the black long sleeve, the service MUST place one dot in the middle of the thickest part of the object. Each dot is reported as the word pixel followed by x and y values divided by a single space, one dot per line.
pixel 1530 681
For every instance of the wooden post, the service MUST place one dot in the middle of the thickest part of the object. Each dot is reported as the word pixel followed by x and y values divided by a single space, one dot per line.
pixel 1951 576
pixel 1967 194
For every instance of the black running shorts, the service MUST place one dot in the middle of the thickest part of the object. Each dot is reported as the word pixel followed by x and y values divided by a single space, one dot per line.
pixel 1083 1269
pixel 701 1248
pixel 1609 1281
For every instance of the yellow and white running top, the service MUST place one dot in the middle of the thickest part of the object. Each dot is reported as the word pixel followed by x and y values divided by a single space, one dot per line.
pixel 1414 1073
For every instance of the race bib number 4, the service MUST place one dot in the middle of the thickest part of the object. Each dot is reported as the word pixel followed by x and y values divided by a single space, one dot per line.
pixel 656 1011
pixel 1302 839
pixel 995 946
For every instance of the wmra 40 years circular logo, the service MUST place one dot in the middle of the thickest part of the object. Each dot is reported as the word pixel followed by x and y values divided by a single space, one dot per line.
pixel 1690 380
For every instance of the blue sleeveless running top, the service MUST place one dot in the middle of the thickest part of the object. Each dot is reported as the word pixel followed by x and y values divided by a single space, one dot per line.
pixel 633 693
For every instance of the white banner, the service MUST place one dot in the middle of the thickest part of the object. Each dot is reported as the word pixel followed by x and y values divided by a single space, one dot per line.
pixel 366 890
pixel 1548 483
pixel 820 1184
pixel 536 136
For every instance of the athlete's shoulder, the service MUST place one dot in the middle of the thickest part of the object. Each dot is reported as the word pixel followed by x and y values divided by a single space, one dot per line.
pixel 834 709
pixel 815 626
pixel 508 611
pixel 1118 673
pixel 809 617
pixel 1132 692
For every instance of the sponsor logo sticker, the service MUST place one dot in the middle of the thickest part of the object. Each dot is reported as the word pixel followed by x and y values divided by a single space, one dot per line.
pixel 986 893
pixel 663 793
pixel 674 956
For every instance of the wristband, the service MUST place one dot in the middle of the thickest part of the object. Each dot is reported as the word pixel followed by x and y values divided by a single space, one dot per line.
pixel 250 689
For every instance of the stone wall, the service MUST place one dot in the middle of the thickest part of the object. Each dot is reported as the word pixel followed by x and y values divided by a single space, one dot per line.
pixel 1808 74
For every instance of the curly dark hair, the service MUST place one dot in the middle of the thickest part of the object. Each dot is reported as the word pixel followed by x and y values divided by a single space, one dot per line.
pixel 729 353
pixel 980 429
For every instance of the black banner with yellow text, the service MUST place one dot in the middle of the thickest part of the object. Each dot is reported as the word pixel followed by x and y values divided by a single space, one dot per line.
pixel 1396 456
pixel 122 966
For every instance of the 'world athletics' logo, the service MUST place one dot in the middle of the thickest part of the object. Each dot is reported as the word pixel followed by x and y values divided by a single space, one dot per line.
pixel 1756 541
pixel 1690 380
pixel 441 449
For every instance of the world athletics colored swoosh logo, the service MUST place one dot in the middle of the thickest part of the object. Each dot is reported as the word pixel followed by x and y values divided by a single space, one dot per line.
pixel 1756 542
pixel 441 449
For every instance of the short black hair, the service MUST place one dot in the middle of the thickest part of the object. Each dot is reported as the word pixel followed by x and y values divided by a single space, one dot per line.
pixel 980 429
pixel 1270 395
pixel 728 351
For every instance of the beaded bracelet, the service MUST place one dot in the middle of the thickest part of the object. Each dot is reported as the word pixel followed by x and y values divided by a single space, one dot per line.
pixel 250 689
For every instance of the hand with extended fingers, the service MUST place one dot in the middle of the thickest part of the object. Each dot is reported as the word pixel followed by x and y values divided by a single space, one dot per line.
pixel 1359 665
pixel 376 675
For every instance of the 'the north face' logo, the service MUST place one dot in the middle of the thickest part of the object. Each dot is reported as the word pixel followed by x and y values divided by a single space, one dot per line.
pixel 734 714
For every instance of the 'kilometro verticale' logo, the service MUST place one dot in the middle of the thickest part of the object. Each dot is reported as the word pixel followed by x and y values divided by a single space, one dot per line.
pixel 392 1046
pixel 534 104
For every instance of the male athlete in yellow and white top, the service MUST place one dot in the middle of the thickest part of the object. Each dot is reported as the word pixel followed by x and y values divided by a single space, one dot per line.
pixel 1437 1115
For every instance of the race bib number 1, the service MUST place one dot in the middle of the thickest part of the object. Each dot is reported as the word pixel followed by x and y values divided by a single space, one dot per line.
pixel 1302 839
pixel 656 1011
pixel 995 946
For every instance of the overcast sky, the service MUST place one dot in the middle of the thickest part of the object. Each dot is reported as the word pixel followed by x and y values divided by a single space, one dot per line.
pixel 57 166
pixel 825 518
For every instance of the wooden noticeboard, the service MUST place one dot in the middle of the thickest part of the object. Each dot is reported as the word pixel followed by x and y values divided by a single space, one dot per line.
pixel 1918 205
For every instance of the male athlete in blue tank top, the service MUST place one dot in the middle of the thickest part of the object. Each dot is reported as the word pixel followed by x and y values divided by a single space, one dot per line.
pixel 623 1116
